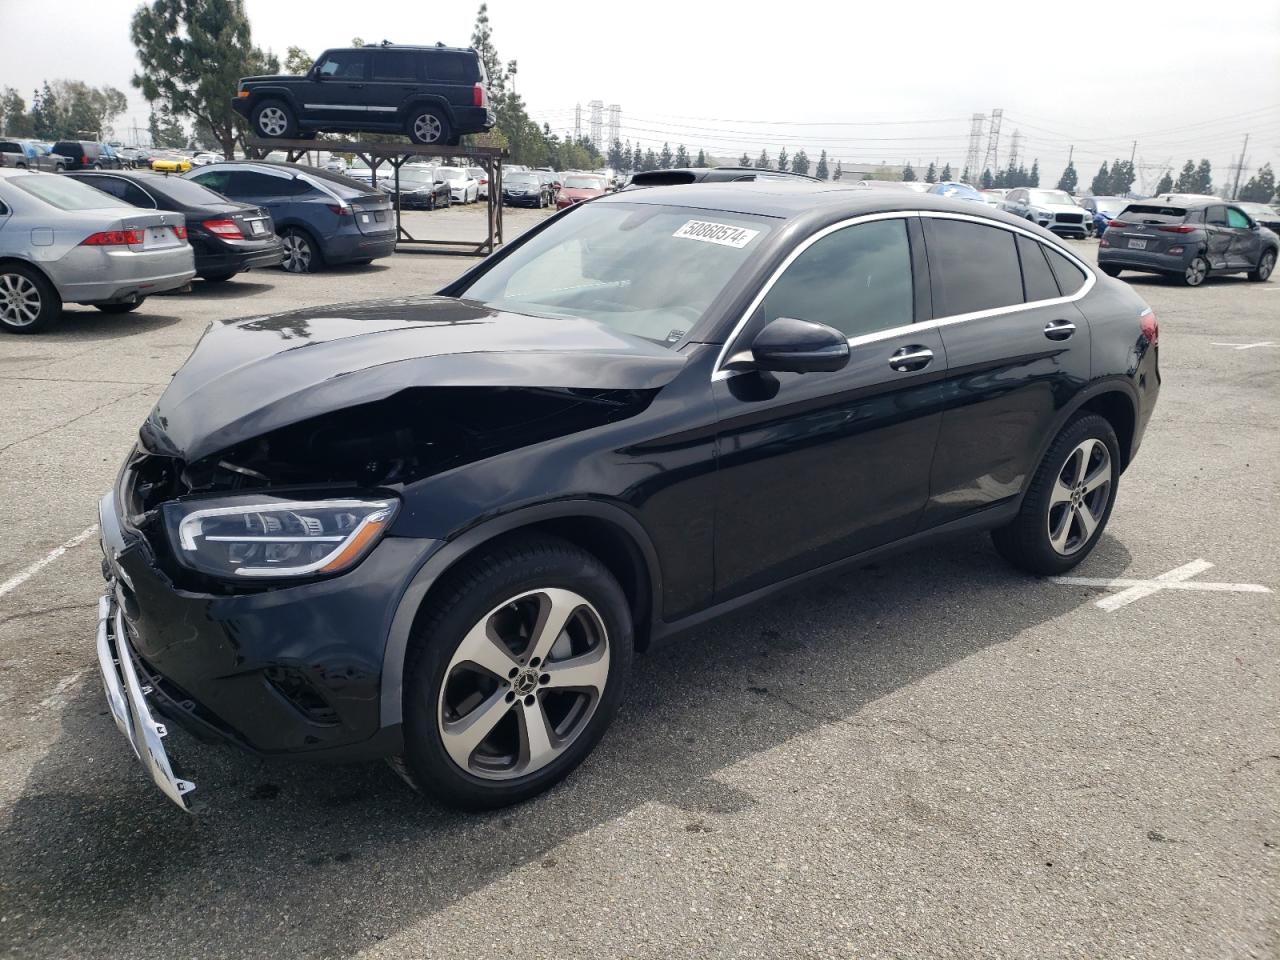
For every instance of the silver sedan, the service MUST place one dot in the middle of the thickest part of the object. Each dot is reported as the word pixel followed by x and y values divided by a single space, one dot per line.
pixel 62 241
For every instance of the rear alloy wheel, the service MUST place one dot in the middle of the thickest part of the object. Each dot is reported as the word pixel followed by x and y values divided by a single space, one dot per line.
pixel 28 302
pixel 300 252
pixel 1067 505
pixel 514 678
pixel 1196 271
pixel 126 307
pixel 1266 265
pixel 274 120
pixel 428 126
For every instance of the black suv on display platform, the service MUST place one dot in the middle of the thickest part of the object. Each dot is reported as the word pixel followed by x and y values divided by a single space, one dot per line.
pixel 430 94
pixel 436 528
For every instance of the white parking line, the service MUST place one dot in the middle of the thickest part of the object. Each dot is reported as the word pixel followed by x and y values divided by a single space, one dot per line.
pixel 58 699
pixel 1243 346
pixel 22 576
pixel 1178 578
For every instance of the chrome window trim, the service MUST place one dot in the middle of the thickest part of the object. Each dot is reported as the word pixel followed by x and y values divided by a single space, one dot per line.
pixel 1090 278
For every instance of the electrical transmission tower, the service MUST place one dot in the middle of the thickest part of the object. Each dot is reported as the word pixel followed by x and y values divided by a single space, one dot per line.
pixel 577 122
pixel 615 123
pixel 991 160
pixel 975 145
pixel 597 121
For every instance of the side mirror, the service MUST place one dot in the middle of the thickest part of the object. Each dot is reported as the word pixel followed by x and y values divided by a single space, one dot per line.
pixel 789 345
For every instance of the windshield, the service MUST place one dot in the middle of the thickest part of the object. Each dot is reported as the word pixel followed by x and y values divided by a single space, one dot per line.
pixel 1052 196
pixel 650 271
pixel 65 193
pixel 584 183
pixel 414 174
pixel 1257 210
pixel 345 187
pixel 520 180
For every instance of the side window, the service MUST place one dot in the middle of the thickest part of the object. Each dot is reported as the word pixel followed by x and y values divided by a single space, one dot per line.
pixel 343 65
pixel 1237 219
pixel 1037 278
pixel 451 68
pixel 8 146
pixel 395 65
pixel 216 180
pixel 248 183
pixel 107 185
pixel 1070 277
pixel 135 195
pixel 972 267
pixel 857 280
pixel 1216 216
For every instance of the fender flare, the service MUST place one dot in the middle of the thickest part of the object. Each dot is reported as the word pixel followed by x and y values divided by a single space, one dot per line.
pixel 455 549
pixel 258 94
pixel 1112 384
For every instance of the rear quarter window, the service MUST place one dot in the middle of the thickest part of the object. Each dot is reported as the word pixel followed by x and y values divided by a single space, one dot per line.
pixel 1070 277
pixel 452 67
pixel 1037 277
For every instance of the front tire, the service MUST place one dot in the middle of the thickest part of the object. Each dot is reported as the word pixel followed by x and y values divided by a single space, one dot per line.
pixel 28 302
pixel 514 673
pixel 301 254
pixel 1069 501
pixel 1266 264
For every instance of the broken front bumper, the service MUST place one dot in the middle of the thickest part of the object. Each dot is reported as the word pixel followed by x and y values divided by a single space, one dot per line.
pixel 127 697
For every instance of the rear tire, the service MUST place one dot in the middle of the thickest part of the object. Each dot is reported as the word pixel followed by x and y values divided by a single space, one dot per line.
pixel 218 277
pixel 1069 501
pixel 1266 264
pixel 1110 271
pixel 28 302
pixel 274 120
pixel 487 721
pixel 427 126
pixel 301 252
pixel 1195 273
pixel 120 307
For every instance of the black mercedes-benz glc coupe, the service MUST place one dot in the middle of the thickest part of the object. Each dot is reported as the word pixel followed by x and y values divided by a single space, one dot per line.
pixel 436 529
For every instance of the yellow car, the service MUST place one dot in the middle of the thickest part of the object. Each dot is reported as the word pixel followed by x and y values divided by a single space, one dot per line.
pixel 180 165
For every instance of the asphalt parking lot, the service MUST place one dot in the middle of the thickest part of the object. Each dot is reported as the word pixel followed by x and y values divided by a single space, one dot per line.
pixel 933 756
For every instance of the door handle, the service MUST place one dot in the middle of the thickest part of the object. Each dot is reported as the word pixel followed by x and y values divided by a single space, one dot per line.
pixel 1059 329
pixel 907 359
pixel 355 86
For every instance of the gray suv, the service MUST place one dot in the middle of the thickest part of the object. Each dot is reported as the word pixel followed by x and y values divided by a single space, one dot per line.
pixel 1187 238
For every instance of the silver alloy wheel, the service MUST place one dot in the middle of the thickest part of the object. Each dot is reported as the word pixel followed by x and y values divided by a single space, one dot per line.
pixel 427 128
pixel 1196 271
pixel 1266 265
pixel 20 301
pixel 1079 497
pixel 297 253
pixel 523 684
pixel 272 121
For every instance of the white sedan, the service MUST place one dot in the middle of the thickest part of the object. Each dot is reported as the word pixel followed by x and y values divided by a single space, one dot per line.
pixel 463 187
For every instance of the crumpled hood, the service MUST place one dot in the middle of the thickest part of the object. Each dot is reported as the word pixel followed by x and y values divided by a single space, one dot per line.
pixel 252 376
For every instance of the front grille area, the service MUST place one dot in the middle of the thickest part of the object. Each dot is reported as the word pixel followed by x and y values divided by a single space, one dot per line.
pixel 1070 218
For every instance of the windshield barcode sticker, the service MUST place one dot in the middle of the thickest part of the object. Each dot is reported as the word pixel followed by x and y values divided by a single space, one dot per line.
pixel 721 233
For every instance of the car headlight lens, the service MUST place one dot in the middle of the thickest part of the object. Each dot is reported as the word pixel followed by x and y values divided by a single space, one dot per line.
pixel 263 538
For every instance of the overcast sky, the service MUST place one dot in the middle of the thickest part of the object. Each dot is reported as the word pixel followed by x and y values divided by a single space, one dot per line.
pixel 866 81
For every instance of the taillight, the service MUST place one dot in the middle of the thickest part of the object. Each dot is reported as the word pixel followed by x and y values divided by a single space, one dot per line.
pixel 113 238
pixel 84 159
pixel 341 209
pixel 1103 241
pixel 1150 326
pixel 180 232
pixel 1117 223
pixel 227 229
pixel 478 95
pixel 1177 228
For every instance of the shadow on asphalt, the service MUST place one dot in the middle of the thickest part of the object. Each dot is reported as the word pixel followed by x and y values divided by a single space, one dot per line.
pixel 299 860
pixel 89 325
pixel 240 286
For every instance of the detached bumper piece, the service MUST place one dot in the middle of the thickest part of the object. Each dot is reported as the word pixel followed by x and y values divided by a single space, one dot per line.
pixel 127 697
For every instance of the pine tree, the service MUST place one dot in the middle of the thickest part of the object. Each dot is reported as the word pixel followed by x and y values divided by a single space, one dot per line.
pixel 1033 179
pixel 682 156
pixel 800 163
pixel 931 174
pixel 650 160
pixel 1204 177
pixel 637 159
pixel 665 157
pixel 1261 186
pixel 987 181
pixel 964 175
pixel 615 154
pixel 745 161
pixel 1011 178
pixel 763 162
pixel 1101 185
pixel 908 173
pixel 1069 179
pixel 945 175
pixel 1186 179
pixel 783 160
pixel 1122 177
pixel 822 173
pixel 1166 183
pixel 839 173
pixel 702 158
pixel 165 131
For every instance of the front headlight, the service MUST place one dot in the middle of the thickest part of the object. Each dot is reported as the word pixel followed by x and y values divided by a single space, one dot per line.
pixel 260 537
